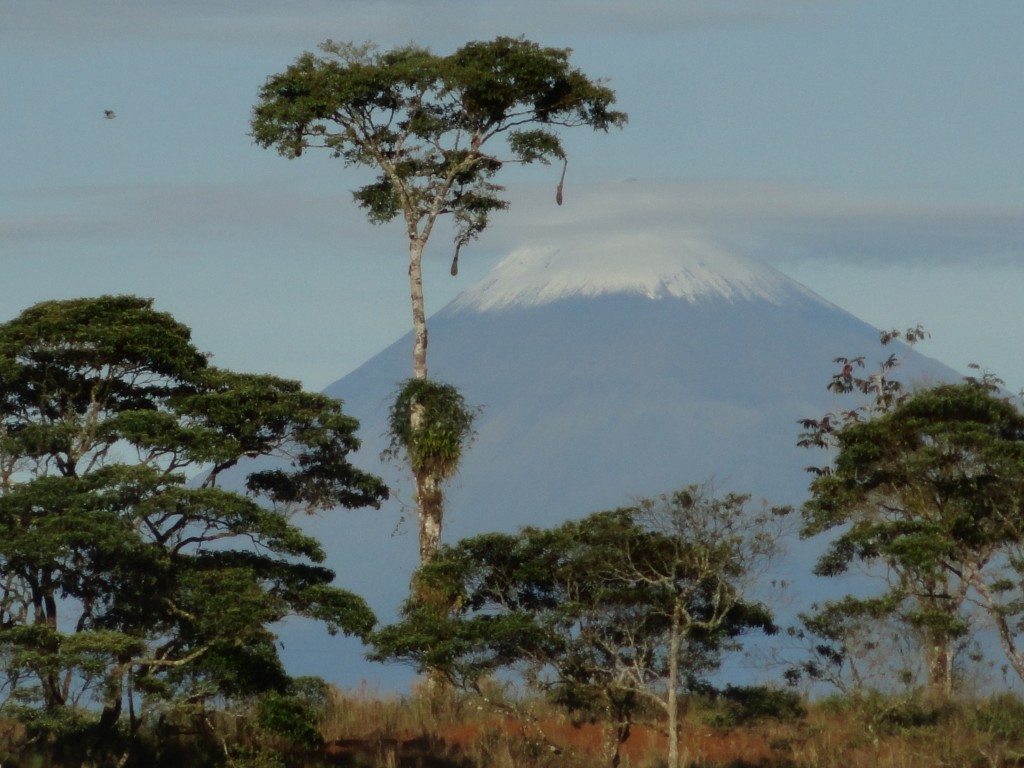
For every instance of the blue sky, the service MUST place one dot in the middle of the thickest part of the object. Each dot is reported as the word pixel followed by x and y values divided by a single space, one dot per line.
pixel 869 149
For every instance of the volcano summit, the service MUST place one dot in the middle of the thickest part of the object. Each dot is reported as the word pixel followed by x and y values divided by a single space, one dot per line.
pixel 603 373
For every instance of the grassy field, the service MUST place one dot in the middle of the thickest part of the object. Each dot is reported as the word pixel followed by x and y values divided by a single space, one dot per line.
pixel 364 730
pixel 361 729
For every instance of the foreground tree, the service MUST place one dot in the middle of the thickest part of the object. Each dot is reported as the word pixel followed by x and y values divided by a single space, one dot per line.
pixel 845 638
pixel 931 491
pixel 609 616
pixel 120 581
pixel 435 130
pixel 703 554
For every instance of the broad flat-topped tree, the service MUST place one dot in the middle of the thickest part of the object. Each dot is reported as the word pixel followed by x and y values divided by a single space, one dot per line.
pixel 436 130
pixel 120 581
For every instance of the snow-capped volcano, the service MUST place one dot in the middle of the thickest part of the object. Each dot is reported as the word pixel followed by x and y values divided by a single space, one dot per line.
pixel 686 268
pixel 628 365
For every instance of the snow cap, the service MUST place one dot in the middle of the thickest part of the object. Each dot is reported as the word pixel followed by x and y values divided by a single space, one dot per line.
pixel 645 264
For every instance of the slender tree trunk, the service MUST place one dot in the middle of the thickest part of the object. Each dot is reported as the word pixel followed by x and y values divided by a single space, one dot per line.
pixel 419 312
pixel 429 497
pixel 942 645
pixel 113 703
pixel 430 500
pixel 673 691
pixel 622 731
pixel 1007 638
pixel 939 659
pixel 1007 635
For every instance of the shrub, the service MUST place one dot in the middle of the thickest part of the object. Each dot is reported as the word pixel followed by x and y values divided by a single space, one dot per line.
pixel 1001 716
pixel 747 704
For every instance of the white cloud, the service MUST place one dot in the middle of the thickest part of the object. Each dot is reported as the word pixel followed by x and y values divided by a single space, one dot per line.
pixel 781 224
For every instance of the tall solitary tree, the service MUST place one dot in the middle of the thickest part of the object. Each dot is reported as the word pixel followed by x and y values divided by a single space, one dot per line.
pixel 122 582
pixel 435 130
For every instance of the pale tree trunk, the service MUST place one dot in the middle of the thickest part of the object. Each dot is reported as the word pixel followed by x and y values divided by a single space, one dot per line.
pixel 1007 638
pixel 419 312
pixel 1007 635
pixel 939 653
pixel 941 649
pixel 672 701
pixel 939 658
pixel 615 737
pixel 430 500
pixel 429 496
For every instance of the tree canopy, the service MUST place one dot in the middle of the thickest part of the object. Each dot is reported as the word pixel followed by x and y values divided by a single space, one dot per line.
pixel 126 568
pixel 607 615
pixel 932 489
pixel 424 122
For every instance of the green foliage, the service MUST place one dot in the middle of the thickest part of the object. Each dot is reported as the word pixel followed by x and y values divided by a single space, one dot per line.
pixel 120 578
pixel 1001 716
pixel 931 490
pixel 254 756
pixel 430 424
pixel 883 393
pixel 297 714
pixel 599 613
pixel 856 645
pixel 957 444
pixel 924 488
pixel 422 121
pixel 905 714
pixel 743 705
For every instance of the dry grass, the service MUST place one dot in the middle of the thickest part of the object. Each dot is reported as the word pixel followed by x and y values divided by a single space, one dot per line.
pixel 364 729
pixel 370 731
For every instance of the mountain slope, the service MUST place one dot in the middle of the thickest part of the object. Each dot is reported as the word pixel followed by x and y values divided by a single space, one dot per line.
pixel 600 380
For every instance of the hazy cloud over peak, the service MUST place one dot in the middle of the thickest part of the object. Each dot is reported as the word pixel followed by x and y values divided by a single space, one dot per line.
pixel 780 223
